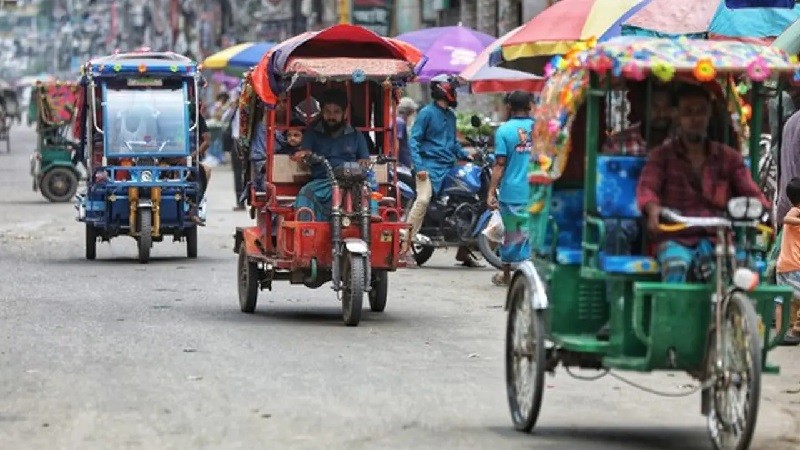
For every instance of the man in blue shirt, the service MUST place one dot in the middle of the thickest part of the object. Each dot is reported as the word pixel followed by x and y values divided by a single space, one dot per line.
pixel 512 149
pixel 434 151
pixel 337 141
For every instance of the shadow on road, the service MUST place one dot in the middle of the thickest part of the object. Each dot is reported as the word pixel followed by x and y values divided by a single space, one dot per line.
pixel 610 437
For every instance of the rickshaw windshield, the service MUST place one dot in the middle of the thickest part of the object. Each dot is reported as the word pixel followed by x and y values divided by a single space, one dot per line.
pixel 148 121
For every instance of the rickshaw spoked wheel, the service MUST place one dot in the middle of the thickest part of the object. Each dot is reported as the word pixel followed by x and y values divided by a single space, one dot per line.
pixel 248 281
pixel 145 231
pixel 525 357
pixel 59 184
pixel 191 242
pixel 353 267
pixel 734 394
pixel 91 242
pixel 379 291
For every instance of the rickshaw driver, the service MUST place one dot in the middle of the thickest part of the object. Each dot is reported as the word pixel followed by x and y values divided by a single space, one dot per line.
pixel 695 176
pixel 337 141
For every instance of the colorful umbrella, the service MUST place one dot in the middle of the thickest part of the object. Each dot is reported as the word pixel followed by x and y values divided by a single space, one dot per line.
pixel 701 19
pixel 789 40
pixel 558 28
pixel 238 58
pixel 448 49
pixel 483 78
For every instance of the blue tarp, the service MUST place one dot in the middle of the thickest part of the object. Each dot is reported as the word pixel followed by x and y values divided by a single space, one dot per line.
pixel 756 23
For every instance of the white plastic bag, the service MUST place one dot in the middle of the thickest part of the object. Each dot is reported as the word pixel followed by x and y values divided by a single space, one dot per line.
pixel 494 229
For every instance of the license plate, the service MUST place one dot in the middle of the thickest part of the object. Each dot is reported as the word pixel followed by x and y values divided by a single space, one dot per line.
pixel 386 237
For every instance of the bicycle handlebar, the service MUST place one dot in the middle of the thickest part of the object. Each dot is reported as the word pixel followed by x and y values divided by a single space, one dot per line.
pixel 681 222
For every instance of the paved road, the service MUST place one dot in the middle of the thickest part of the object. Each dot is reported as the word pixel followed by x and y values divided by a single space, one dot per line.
pixel 113 354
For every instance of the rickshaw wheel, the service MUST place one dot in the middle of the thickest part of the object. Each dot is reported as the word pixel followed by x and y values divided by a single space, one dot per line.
pixel 191 242
pixel 422 253
pixel 59 184
pixel 353 291
pixel 735 393
pixel 490 251
pixel 91 242
pixel 379 291
pixel 248 282
pixel 525 357
pixel 145 240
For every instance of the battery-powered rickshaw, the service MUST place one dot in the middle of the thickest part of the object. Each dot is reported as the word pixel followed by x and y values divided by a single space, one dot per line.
pixel 575 285
pixel 138 126
pixel 358 246
pixel 52 169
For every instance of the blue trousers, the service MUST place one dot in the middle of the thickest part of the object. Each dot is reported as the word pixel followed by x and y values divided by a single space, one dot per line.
pixel 678 260
pixel 316 195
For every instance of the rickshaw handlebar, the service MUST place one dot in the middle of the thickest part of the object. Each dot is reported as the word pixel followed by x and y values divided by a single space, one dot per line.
pixel 693 222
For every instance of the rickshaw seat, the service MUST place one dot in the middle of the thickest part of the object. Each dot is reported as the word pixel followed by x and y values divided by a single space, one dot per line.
pixel 629 264
pixel 566 209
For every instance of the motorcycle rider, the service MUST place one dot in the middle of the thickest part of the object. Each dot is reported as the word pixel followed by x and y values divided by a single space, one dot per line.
pixel 434 150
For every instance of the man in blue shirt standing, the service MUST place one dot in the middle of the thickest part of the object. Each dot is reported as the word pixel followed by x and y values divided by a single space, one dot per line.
pixel 338 142
pixel 512 149
pixel 434 151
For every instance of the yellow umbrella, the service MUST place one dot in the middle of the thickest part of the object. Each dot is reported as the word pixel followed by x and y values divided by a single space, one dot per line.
pixel 219 60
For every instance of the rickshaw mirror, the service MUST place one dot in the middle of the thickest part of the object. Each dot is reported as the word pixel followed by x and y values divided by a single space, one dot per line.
pixel 749 208
pixel 475 121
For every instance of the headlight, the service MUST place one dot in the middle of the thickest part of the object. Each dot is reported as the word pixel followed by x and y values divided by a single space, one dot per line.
pixel 147 176
pixel 345 222
pixel 741 208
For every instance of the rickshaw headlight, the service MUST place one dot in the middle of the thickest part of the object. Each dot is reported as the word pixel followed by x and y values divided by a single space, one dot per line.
pixel 740 208
pixel 147 176
pixel 345 221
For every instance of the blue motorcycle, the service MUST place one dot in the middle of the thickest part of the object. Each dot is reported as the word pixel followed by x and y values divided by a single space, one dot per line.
pixel 458 214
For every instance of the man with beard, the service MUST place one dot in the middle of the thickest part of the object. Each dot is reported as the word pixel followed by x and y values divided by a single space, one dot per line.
pixel 697 177
pixel 337 141
pixel 623 235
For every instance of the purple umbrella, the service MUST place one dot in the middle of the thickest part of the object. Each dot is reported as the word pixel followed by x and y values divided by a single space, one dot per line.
pixel 449 49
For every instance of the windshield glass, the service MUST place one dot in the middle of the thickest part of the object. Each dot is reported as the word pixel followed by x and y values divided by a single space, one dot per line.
pixel 145 121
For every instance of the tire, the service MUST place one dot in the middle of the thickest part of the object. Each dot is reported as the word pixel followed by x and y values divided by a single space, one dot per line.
pixel 145 230
pixel 740 323
pixel 91 242
pixel 59 184
pixel 191 242
pixel 492 256
pixel 422 253
pixel 247 274
pixel 353 292
pixel 380 290
pixel 524 334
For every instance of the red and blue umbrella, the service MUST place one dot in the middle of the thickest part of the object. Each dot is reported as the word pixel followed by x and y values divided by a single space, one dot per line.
pixel 449 50
pixel 238 58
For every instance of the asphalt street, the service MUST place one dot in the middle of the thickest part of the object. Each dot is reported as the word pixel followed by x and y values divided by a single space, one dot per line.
pixel 111 354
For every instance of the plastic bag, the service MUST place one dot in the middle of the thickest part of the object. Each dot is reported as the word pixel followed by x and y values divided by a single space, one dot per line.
pixel 494 230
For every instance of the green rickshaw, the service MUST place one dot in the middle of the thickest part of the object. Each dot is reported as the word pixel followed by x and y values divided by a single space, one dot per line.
pixel 573 287
pixel 54 173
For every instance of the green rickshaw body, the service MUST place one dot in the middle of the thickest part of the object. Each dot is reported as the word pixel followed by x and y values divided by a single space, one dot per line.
pixel 53 106
pixel 575 190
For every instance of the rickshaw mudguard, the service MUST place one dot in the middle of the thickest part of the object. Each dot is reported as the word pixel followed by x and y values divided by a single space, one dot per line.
pixel 356 246
pixel 527 272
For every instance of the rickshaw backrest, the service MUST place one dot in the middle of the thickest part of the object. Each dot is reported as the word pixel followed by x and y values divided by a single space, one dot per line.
pixel 617 177
pixel 566 208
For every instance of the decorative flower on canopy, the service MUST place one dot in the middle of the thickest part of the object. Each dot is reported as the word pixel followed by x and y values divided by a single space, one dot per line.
pixel 173 68
pixel 601 64
pixel 704 70
pixel 758 70
pixel 142 68
pixel 117 67
pixel 747 113
pixel 359 76
pixel 633 71
pixel 663 70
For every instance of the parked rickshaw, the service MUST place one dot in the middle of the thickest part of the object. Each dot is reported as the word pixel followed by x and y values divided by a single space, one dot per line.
pixel 9 112
pixel 571 289
pixel 357 248
pixel 52 169
pixel 137 122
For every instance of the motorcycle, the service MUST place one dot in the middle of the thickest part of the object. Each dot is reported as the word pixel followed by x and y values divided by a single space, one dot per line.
pixel 458 214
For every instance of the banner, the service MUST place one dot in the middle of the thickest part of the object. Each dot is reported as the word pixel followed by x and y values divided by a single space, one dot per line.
pixel 375 15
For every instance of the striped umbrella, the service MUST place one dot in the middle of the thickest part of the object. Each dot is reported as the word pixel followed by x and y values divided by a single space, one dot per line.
pixel 238 58
pixel 485 79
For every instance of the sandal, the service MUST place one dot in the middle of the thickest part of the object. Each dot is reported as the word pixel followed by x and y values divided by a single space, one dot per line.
pixel 470 262
pixel 499 279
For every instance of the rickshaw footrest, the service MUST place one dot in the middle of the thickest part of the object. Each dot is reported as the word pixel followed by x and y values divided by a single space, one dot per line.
pixel 771 369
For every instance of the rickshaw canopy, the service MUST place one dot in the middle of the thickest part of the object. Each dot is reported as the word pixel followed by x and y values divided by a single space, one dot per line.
pixel 57 101
pixel 340 52
pixel 635 59
pixel 157 64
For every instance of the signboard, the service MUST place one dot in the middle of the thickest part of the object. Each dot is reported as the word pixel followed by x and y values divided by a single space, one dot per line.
pixel 375 15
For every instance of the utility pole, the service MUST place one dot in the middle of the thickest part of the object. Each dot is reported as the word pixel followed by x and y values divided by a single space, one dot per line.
pixel 508 16
pixel 487 17
pixel 469 11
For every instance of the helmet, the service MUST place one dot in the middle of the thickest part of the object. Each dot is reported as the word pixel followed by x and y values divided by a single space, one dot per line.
pixel 444 88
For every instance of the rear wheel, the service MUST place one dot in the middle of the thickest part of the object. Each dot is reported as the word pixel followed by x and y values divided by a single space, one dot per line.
pixel 353 292
pixel 145 229
pixel 422 253
pixel 525 357
pixel 91 242
pixel 191 242
pixel 248 281
pixel 379 291
pixel 734 395
pixel 59 184
pixel 490 251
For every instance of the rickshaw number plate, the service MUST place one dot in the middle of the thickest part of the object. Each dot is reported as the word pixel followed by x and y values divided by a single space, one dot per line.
pixel 145 82
pixel 386 237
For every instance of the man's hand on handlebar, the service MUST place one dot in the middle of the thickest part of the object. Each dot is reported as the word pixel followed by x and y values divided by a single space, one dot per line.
pixel 422 175
pixel 298 156
pixel 653 219
pixel 365 163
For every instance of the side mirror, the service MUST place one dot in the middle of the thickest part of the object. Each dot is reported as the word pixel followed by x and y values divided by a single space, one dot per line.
pixel 475 121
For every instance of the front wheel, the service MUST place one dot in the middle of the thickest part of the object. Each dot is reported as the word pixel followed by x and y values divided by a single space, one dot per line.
pixel 734 395
pixel 490 251
pixel 353 292
pixel 145 229
pixel 525 357
pixel 248 281
pixel 379 291
pixel 422 253
pixel 191 242
pixel 59 184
